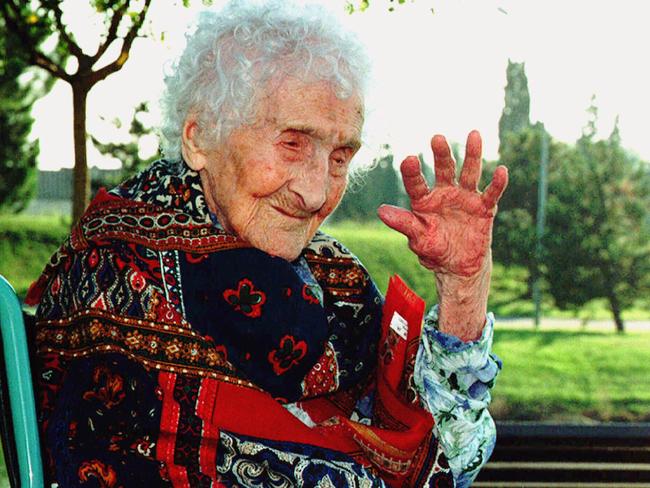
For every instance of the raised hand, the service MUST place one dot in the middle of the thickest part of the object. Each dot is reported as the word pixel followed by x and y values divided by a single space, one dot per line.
pixel 449 226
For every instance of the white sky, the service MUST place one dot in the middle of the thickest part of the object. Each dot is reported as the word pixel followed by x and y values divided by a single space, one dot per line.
pixel 440 72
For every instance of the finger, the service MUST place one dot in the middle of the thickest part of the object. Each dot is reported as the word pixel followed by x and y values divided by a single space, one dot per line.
pixel 496 188
pixel 471 172
pixel 399 219
pixel 414 182
pixel 443 162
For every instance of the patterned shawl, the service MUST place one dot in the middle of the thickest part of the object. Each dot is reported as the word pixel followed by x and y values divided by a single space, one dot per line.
pixel 171 352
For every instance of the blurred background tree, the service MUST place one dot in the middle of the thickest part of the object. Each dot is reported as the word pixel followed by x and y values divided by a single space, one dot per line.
pixel 515 116
pixel 19 89
pixel 369 189
pixel 598 238
pixel 27 20
pixel 515 226
pixel 129 153
pixel 519 150
pixel 596 242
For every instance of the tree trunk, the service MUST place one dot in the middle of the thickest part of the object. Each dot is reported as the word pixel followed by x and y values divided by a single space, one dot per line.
pixel 530 281
pixel 616 310
pixel 81 179
pixel 614 304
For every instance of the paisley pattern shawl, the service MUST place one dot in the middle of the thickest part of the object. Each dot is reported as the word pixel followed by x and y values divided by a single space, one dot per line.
pixel 168 349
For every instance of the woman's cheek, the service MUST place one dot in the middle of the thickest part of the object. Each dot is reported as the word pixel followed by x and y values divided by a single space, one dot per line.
pixel 267 176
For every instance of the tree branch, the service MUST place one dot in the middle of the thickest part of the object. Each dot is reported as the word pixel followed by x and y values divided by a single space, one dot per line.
pixel 36 57
pixel 111 35
pixel 126 47
pixel 74 48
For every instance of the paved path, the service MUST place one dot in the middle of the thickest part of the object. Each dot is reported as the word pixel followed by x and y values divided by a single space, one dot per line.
pixel 572 324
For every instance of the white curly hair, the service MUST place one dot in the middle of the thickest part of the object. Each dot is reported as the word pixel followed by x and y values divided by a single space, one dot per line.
pixel 233 54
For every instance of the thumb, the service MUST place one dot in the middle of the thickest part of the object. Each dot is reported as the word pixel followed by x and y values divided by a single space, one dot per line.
pixel 398 219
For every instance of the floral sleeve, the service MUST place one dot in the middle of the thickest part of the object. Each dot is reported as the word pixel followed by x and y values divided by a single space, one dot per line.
pixel 454 380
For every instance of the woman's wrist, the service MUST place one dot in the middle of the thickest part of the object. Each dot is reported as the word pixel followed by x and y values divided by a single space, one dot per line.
pixel 463 302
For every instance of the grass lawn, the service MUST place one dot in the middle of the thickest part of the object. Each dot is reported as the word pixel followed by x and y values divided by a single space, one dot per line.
pixel 572 376
pixel 26 245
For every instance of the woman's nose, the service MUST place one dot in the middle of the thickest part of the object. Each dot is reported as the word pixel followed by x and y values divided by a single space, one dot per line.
pixel 311 183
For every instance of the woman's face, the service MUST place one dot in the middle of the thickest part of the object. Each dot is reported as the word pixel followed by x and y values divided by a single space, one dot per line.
pixel 274 182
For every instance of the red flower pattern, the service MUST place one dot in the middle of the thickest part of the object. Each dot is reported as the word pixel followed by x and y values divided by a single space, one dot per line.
pixel 246 299
pixel 109 387
pixel 287 355
pixel 104 474
pixel 309 296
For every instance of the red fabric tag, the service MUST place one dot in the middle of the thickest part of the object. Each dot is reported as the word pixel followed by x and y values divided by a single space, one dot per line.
pixel 401 325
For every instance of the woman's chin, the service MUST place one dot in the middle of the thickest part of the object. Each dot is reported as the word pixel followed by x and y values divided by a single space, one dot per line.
pixel 282 244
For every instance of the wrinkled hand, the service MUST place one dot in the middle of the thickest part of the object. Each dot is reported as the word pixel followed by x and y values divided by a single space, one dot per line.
pixel 449 226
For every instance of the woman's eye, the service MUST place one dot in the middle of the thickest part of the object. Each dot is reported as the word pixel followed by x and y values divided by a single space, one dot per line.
pixel 340 157
pixel 291 144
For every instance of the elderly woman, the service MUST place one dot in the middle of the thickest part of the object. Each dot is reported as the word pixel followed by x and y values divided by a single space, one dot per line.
pixel 197 329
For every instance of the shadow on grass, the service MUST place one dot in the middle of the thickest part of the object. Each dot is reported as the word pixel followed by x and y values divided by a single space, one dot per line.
pixel 548 337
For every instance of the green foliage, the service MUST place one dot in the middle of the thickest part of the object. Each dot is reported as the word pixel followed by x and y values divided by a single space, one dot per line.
pixel 18 154
pixel 516 111
pixel 519 150
pixel 369 190
pixel 33 22
pixel 362 5
pixel 598 240
pixel 207 3
pixel 514 228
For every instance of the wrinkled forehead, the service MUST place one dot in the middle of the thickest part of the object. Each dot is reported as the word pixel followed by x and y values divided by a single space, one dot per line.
pixel 290 99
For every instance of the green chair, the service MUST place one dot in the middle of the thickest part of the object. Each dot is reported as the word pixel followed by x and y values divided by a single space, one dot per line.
pixel 23 447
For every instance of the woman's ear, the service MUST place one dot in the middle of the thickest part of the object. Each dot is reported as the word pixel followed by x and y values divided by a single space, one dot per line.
pixel 193 154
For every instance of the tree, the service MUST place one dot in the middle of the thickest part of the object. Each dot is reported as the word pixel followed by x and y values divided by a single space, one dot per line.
pixel 367 191
pixel 128 153
pixel 598 240
pixel 515 223
pixel 520 145
pixel 17 153
pixel 515 116
pixel 123 22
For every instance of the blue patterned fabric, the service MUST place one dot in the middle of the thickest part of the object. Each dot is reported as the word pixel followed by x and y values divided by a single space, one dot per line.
pixel 253 462
pixel 454 380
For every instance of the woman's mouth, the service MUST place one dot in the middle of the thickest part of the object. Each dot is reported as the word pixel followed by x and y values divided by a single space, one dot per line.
pixel 297 215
